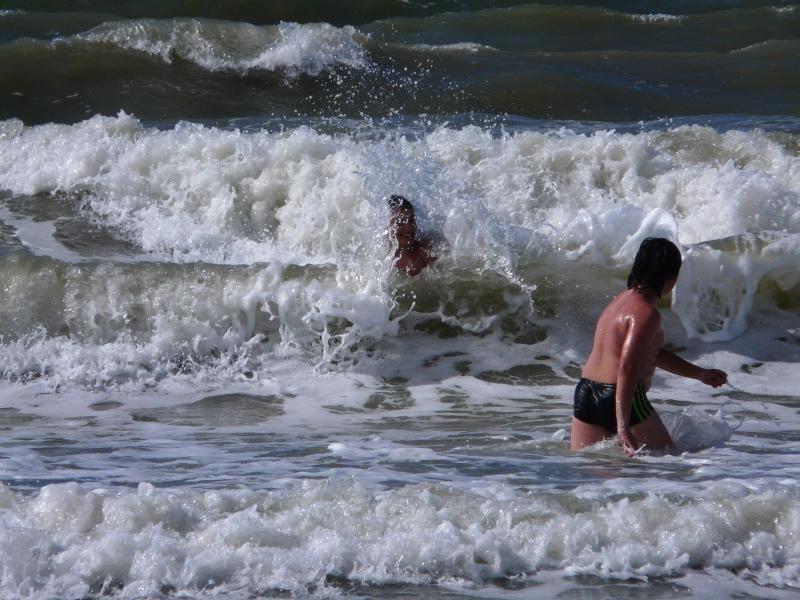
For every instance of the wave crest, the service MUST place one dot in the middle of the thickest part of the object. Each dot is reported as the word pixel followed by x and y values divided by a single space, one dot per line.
pixel 241 47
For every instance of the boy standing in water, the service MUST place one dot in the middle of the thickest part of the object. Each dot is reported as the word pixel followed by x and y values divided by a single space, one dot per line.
pixel 611 396
pixel 412 254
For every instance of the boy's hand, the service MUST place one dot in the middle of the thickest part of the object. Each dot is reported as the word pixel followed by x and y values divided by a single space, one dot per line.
pixel 713 377
pixel 627 441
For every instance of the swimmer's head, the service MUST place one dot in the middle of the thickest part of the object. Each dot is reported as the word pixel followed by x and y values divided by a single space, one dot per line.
pixel 403 221
pixel 397 202
pixel 657 263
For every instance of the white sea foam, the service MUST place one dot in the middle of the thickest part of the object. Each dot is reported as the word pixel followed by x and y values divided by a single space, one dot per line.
pixel 706 185
pixel 11 128
pixel 216 46
pixel 657 18
pixel 501 204
pixel 457 47
pixel 130 322
pixel 65 541
pixel 717 289
pixel 692 429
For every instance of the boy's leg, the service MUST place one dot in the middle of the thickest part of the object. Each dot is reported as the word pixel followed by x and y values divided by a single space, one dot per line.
pixel 652 433
pixel 585 434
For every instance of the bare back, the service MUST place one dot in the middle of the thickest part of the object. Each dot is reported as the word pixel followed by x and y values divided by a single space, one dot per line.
pixel 628 331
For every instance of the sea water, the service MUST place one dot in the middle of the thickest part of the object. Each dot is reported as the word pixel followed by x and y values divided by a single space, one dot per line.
pixel 214 383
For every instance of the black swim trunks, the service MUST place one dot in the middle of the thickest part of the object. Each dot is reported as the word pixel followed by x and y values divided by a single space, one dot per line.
pixel 595 403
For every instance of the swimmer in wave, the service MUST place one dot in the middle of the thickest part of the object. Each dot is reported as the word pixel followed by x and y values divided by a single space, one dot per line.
pixel 412 254
pixel 611 397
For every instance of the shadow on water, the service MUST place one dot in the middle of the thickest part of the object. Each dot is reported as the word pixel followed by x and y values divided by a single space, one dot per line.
pixel 12 417
pixel 226 410
pixel 73 226
pixel 591 587
pixel 532 374
pixel 587 588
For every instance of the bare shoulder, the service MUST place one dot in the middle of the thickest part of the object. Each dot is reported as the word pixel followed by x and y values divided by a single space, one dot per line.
pixel 629 314
pixel 634 312
pixel 645 316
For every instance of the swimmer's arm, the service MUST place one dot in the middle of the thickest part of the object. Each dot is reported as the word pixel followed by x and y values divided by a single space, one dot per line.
pixel 671 362
pixel 626 384
pixel 427 246
pixel 641 328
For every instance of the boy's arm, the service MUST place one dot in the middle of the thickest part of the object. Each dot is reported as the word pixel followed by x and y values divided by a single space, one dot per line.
pixel 640 328
pixel 426 245
pixel 669 361
pixel 623 400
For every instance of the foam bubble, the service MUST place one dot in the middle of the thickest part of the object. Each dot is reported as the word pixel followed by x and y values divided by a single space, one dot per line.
pixel 11 128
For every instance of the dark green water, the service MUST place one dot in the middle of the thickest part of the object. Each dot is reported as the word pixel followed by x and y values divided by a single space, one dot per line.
pixel 611 61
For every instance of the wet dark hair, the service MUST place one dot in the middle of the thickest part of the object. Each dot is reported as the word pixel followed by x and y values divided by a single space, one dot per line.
pixel 657 261
pixel 397 202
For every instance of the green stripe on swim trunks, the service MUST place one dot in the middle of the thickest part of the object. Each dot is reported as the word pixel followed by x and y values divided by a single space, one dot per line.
pixel 636 402
pixel 640 403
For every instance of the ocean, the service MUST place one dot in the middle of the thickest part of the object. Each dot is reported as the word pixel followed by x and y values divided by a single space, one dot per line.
pixel 214 383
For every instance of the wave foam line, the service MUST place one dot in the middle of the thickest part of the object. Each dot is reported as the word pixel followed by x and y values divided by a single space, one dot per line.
pixel 498 203
pixel 656 18
pixel 68 542
pixel 218 46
